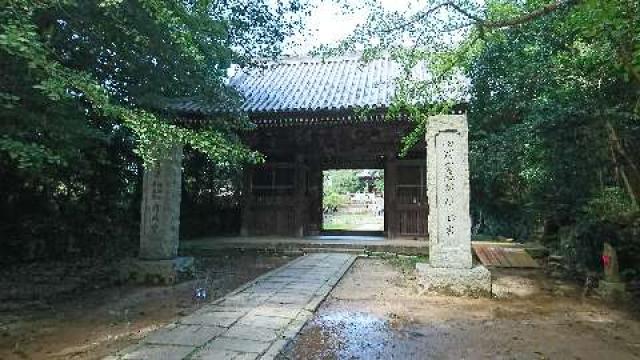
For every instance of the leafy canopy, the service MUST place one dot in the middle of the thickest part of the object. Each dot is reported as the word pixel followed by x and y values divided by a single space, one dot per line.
pixel 122 59
pixel 552 89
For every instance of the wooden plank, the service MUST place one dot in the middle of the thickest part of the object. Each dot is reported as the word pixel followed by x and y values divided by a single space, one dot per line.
pixel 520 258
pixel 480 253
pixel 502 256
pixel 492 258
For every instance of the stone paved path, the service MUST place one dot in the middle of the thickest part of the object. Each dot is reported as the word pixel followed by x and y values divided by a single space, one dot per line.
pixel 253 322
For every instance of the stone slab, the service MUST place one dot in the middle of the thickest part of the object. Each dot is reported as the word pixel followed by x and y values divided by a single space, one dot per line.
pixel 448 191
pixel 212 318
pixel 267 322
pixel 470 282
pixel 187 335
pixel 286 245
pixel 274 350
pixel 253 333
pixel 237 344
pixel 276 311
pixel 209 353
pixel 249 323
pixel 160 206
pixel 158 352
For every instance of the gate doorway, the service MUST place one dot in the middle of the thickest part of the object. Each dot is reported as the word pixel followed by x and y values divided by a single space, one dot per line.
pixel 353 202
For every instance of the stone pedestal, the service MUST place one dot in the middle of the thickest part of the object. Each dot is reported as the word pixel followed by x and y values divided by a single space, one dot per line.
pixel 450 267
pixel 612 291
pixel 475 281
pixel 160 223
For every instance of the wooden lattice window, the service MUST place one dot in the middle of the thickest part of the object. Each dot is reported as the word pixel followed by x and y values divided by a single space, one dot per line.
pixel 273 180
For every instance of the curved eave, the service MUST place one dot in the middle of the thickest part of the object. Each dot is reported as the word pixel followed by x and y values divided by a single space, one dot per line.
pixel 316 117
pixel 319 117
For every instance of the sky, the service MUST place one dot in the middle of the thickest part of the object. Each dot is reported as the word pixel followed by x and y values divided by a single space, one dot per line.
pixel 329 23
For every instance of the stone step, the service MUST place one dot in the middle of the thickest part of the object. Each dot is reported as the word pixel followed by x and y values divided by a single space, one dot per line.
pixel 355 251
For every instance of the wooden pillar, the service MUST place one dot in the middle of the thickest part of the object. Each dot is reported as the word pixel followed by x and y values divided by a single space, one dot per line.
pixel 300 212
pixel 390 182
pixel 314 199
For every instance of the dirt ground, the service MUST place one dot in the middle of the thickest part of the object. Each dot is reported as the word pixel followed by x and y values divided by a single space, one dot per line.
pixel 378 312
pixel 73 311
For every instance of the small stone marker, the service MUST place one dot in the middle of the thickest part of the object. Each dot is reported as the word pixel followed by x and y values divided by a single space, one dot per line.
pixel 160 223
pixel 161 190
pixel 450 266
pixel 611 287
pixel 610 262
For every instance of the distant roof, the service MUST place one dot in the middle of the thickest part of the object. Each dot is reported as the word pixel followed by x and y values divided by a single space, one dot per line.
pixel 311 84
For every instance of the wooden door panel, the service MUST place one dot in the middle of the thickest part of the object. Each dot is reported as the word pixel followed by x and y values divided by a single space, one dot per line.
pixel 411 200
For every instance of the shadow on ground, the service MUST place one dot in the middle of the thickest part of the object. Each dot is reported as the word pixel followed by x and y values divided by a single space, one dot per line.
pixel 66 311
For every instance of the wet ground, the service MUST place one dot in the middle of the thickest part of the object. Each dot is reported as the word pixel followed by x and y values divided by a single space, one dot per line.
pixel 67 311
pixel 377 311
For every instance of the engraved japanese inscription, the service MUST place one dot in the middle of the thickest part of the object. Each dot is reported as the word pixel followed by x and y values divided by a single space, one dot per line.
pixel 448 186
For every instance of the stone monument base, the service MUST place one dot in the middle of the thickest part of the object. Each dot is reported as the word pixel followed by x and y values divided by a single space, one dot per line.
pixel 157 271
pixel 475 281
pixel 612 290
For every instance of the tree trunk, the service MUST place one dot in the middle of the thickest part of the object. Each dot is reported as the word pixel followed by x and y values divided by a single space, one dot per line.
pixel 626 168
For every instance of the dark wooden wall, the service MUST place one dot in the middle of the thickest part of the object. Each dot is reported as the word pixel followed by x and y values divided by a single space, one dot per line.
pixel 293 205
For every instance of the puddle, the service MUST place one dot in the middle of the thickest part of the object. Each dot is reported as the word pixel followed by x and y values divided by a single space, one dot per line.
pixel 356 335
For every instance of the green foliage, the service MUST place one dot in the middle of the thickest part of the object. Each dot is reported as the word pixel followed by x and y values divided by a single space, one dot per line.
pixel 546 98
pixel 121 58
pixel 28 155
pixel 333 201
pixel 336 184
pixel 210 203
pixel 341 182
pixel 613 205
pixel 553 97
pixel 84 90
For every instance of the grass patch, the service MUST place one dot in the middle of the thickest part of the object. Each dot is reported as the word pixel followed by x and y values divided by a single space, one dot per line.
pixel 405 262
pixel 350 221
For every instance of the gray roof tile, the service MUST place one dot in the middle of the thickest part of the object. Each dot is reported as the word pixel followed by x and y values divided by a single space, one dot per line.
pixel 298 85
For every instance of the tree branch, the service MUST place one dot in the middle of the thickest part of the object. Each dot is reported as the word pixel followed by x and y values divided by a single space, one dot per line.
pixel 487 24
pixel 524 18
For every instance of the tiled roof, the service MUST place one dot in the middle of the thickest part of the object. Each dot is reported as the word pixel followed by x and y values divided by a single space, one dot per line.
pixel 307 85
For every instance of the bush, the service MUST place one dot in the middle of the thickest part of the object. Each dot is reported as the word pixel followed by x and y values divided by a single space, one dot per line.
pixel 333 201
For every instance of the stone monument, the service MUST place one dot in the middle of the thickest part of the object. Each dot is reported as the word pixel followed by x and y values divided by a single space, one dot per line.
pixel 160 223
pixel 450 268
pixel 611 287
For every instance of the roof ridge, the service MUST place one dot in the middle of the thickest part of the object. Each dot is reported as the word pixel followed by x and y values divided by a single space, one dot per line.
pixel 295 60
